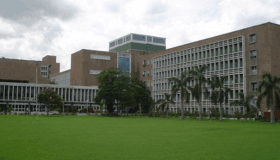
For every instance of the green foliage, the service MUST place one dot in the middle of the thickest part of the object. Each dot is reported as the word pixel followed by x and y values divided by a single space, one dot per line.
pixel 238 115
pixel 180 86
pixel 127 91
pixel 50 99
pixel 271 92
pixel 198 75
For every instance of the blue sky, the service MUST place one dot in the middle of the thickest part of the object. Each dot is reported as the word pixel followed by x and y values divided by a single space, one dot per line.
pixel 32 29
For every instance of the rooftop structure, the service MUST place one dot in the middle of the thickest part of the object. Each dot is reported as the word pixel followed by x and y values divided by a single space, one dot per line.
pixel 137 42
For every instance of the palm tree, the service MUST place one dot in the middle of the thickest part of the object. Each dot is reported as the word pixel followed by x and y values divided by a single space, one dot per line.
pixel 246 102
pixel 271 91
pixel 180 85
pixel 197 90
pixel 165 103
pixel 153 107
pixel 220 92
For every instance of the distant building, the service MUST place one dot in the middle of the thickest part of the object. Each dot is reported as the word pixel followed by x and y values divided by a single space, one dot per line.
pixel 243 56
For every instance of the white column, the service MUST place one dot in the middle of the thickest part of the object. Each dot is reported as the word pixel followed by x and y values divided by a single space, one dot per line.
pixel 13 90
pixel 87 94
pixel 30 92
pixel 8 92
pixel 17 93
pixel 25 92
pixel 91 94
pixel 4 92
pixel 62 93
pixel 85 98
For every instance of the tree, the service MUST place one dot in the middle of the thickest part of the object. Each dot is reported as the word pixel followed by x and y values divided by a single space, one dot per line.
pixel 49 98
pixel 119 89
pixel 153 107
pixel 271 92
pixel 180 85
pixel 246 102
pixel 165 103
pixel 108 88
pixel 219 92
pixel 140 95
pixel 197 90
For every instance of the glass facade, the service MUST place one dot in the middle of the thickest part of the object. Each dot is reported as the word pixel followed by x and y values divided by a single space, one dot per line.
pixel 124 62
pixel 138 37
pixel 159 40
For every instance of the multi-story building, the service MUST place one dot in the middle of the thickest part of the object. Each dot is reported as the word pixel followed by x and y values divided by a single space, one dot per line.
pixel 242 56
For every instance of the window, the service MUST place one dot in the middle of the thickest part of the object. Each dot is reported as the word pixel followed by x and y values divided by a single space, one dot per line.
pixel 241 78
pixel 252 38
pixel 235 48
pixel 212 67
pixel 241 62
pixel 253 70
pixel 236 63
pixel 159 40
pixel 222 67
pixel 120 41
pixel 254 86
pixel 128 38
pixel 231 64
pixel 203 54
pixel 240 46
pixel 208 53
pixel 112 44
pixel 94 71
pixel 236 79
pixel 226 64
pixel 101 57
pixel 226 51
pixel 231 79
pixel 253 54
pixel 221 51
pixel 230 49
pixel 217 66
pixel 139 38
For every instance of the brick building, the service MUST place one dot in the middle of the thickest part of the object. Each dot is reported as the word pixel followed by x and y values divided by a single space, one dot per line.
pixel 243 56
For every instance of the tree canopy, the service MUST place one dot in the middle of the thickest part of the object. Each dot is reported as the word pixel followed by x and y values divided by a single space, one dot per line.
pixel 50 98
pixel 121 90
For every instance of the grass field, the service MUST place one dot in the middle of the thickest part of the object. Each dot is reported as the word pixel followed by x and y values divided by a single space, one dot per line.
pixel 130 138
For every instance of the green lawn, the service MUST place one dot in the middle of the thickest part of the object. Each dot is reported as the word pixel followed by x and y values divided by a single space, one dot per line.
pixel 130 138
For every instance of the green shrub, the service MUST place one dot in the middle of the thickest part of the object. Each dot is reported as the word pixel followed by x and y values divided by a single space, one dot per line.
pixel 204 114
pixel 264 119
pixel 195 114
pixel 16 113
pixel 276 119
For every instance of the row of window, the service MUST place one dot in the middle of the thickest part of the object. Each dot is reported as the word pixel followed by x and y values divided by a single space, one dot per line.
pixel 231 95
pixel 231 79
pixel 210 67
pixel 101 57
pixel 28 93
pixel 137 38
pixel 175 60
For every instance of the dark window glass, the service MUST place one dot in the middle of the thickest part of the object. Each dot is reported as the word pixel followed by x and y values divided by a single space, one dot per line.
pixel 159 40
pixel 128 38
pixel 138 37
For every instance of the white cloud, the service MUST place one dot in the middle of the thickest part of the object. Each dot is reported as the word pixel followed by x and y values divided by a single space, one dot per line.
pixel 94 23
